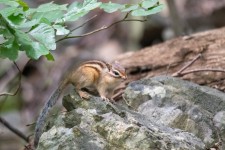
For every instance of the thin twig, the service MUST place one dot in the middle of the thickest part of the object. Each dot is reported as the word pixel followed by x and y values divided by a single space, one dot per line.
pixel 20 73
pixel 14 130
pixel 118 94
pixel 102 28
pixel 167 69
pixel 200 70
pixel 128 103
pixel 8 76
pixel 20 76
pixel 4 100
pixel 88 20
pixel 126 16
pixel 31 124
pixel 186 66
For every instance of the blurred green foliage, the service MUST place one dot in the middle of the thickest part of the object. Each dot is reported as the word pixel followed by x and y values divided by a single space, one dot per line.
pixel 34 30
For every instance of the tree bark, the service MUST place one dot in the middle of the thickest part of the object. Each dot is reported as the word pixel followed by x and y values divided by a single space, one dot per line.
pixel 206 52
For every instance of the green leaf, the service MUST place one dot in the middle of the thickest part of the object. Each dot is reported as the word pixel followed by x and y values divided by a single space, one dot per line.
pixel 139 12
pixel 15 3
pixel 60 30
pixel 142 12
pixel 71 16
pixel 16 19
pixel 75 6
pixel 14 39
pixel 33 49
pixel 50 11
pixel 86 2
pixel 149 3
pixel 111 7
pixel 156 9
pixel 9 49
pixel 51 16
pixel 50 57
pixel 10 2
pixel 23 4
pixel 5 29
pixel 51 7
pixel 44 34
pixel 14 16
pixel 74 13
pixel 6 34
pixel 130 8
pixel 9 11
pixel 76 10
pixel 45 21
pixel 28 24
pixel 30 12
pixel 90 7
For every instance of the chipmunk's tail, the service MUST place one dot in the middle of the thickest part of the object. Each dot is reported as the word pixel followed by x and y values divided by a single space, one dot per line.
pixel 40 124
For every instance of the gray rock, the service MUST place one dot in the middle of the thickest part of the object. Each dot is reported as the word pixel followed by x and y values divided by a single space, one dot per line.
pixel 179 104
pixel 167 114
pixel 219 122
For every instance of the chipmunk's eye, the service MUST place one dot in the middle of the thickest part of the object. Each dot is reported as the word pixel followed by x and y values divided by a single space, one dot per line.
pixel 116 73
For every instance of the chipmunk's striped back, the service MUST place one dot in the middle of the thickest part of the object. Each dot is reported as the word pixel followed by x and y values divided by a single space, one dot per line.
pixel 100 65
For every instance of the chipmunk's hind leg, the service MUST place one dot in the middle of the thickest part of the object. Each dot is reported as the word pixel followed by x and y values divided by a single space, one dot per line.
pixel 83 82
pixel 82 94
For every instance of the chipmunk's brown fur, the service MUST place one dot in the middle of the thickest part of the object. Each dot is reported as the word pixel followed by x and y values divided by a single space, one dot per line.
pixel 96 74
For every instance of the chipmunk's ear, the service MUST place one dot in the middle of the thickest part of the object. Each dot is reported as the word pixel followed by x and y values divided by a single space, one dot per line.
pixel 117 65
pixel 116 62
pixel 109 66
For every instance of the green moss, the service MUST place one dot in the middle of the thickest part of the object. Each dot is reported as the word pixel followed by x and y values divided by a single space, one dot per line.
pixel 180 122
pixel 101 130
pixel 98 118
pixel 72 119
pixel 77 132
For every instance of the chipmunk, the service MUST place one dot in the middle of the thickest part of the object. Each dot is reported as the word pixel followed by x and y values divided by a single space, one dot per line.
pixel 102 76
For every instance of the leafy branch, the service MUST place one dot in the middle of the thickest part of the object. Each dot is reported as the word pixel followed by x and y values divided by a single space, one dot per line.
pixel 101 28
pixel 84 23
pixel 35 30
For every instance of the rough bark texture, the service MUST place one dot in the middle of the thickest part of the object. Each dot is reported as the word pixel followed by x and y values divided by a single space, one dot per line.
pixel 169 57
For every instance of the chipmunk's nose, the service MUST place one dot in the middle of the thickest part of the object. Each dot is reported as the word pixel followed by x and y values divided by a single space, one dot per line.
pixel 124 77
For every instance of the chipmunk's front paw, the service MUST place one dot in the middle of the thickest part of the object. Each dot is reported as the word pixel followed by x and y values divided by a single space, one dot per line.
pixel 105 99
pixel 84 95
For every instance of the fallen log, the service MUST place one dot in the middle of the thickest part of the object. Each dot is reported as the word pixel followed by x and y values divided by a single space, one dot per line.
pixel 199 58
